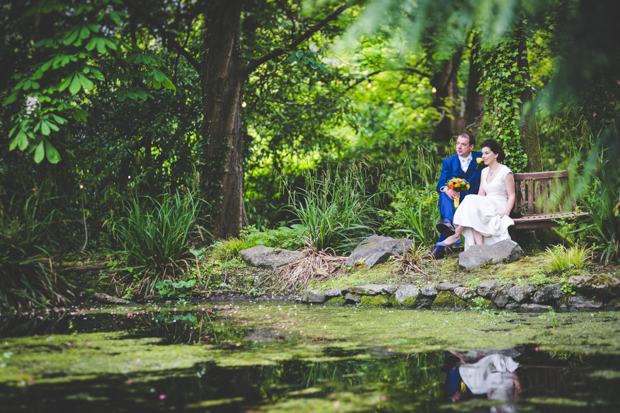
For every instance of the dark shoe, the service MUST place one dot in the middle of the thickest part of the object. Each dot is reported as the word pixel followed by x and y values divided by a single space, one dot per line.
pixel 435 254
pixel 445 228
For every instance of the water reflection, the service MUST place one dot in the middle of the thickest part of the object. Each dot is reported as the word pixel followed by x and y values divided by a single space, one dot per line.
pixel 482 375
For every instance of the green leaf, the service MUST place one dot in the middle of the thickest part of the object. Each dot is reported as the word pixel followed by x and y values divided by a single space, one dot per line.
pixel 91 44
pixel 52 126
pixel 13 130
pixel 97 74
pixel 71 37
pixel 35 85
pixel 101 45
pixel 142 95
pixel 22 140
pixel 45 129
pixel 12 98
pixel 75 85
pixel 13 144
pixel 27 84
pixel 159 76
pixel 39 153
pixel 84 33
pixel 116 17
pixel 132 94
pixel 59 120
pixel 52 154
pixel 86 82
pixel 65 84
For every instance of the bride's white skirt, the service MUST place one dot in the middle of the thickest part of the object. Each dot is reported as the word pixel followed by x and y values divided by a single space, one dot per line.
pixel 482 214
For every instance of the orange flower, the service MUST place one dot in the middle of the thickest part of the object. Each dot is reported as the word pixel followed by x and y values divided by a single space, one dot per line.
pixel 457 185
pixel 451 187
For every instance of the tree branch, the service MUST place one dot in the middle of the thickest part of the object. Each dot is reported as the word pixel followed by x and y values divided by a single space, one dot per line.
pixel 398 69
pixel 280 51
pixel 172 41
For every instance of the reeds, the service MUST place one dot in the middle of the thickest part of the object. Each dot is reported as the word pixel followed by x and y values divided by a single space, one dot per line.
pixel 559 258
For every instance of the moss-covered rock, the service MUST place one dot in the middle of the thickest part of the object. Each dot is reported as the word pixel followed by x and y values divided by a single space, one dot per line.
pixel 480 303
pixel 336 301
pixel 380 300
pixel 613 304
pixel 409 302
pixel 448 301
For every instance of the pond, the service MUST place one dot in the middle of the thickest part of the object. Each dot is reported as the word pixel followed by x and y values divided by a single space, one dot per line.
pixel 276 356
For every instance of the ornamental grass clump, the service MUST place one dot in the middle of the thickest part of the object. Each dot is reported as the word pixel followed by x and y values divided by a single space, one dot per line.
pixel 335 210
pixel 155 236
pixel 559 258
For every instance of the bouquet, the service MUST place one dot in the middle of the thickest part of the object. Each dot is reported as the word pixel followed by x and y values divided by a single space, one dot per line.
pixel 459 185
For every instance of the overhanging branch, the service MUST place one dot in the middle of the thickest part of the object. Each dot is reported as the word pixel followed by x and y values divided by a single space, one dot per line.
pixel 254 64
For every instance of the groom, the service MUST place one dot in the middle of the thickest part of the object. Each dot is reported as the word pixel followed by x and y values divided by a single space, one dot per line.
pixel 462 165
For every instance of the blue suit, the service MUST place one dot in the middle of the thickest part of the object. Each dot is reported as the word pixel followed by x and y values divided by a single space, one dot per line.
pixel 451 168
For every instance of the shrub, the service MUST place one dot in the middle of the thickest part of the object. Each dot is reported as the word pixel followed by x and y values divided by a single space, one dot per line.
pixel 414 212
pixel 27 277
pixel 560 258
pixel 335 210
pixel 154 235
pixel 293 237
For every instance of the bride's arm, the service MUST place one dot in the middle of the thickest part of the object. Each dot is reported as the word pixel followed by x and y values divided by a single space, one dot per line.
pixel 510 188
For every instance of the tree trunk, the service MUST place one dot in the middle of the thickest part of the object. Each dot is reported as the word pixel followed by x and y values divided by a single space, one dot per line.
pixel 224 76
pixel 474 110
pixel 528 129
pixel 446 99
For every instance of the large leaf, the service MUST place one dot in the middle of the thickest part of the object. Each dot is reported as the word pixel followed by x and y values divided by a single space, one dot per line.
pixel 39 153
pixel 52 154
pixel 76 85
pixel 22 140
pixel 86 82
pixel 45 129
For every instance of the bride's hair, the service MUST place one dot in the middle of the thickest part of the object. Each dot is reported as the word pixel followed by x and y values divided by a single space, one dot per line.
pixel 495 147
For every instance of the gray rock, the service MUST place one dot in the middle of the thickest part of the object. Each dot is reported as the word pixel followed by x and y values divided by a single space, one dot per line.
pixel 464 293
pixel 377 249
pixel 597 285
pixel 406 291
pixel 423 302
pixel 500 297
pixel 579 303
pixel 105 298
pixel 479 255
pixel 334 292
pixel 353 297
pixel 520 293
pixel 512 307
pixel 373 289
pixel 261 256
pixel 533 308
pixel 447 286
pixel 548 293
pixel 313 296
pixel 487 288
pixel 429 291
pixel 446 300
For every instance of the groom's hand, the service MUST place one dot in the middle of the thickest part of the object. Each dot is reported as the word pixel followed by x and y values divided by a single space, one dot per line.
pixel 452 194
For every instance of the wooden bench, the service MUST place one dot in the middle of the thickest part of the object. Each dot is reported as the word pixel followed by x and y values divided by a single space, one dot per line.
pixel 541 199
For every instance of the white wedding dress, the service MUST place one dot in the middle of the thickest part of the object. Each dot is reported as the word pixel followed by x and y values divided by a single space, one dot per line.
pixel 482 212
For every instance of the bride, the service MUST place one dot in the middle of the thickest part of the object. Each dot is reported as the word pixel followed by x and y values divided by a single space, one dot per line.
pixel 483 218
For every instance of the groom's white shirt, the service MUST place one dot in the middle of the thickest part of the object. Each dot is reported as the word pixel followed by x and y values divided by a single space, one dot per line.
pixel 465 161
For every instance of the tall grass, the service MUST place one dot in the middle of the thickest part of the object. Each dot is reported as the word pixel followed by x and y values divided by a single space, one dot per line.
pixel 335 209
pixel 413 213
pixel 155 236
pixel 27 276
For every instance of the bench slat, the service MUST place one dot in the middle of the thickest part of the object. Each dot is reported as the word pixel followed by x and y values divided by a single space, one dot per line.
pixel 541 175
pixel 537 202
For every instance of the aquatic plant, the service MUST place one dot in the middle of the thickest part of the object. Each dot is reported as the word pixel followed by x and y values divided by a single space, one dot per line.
pixel 155 237
pixel 335 209
pixel 27 275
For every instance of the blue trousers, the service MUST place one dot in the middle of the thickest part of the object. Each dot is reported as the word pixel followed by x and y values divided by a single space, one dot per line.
pixel 446 208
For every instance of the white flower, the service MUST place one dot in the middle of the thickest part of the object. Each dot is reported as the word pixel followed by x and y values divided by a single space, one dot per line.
pixel 32 104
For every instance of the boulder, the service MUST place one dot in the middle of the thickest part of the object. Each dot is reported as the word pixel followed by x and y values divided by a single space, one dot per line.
pixel 447 286
pixel 520 293
pixel 448 301
pixel 261 256
pixel 548 293
pixel 500 297
pixel 501 252
pixel 313 296
pixel 533 308
pixel 464 293
pixel 512 307
pixel 373 289
pixel 579 303
pixel 597 285
pixel 407 294
pixel 429 291
pixel 613 305
pixel 334 292
pixel 487 288
pixel 352 298
pixel 377 249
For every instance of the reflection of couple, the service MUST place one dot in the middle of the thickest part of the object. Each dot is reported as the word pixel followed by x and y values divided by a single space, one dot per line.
pixel 492 376
pixel 481 218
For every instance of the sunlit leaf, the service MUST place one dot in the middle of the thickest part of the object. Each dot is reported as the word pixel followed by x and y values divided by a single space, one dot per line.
pixel 45 129
pixel 76 85
pixel 52 154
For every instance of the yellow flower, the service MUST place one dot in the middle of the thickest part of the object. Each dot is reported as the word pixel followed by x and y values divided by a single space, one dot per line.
pixel 478 161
